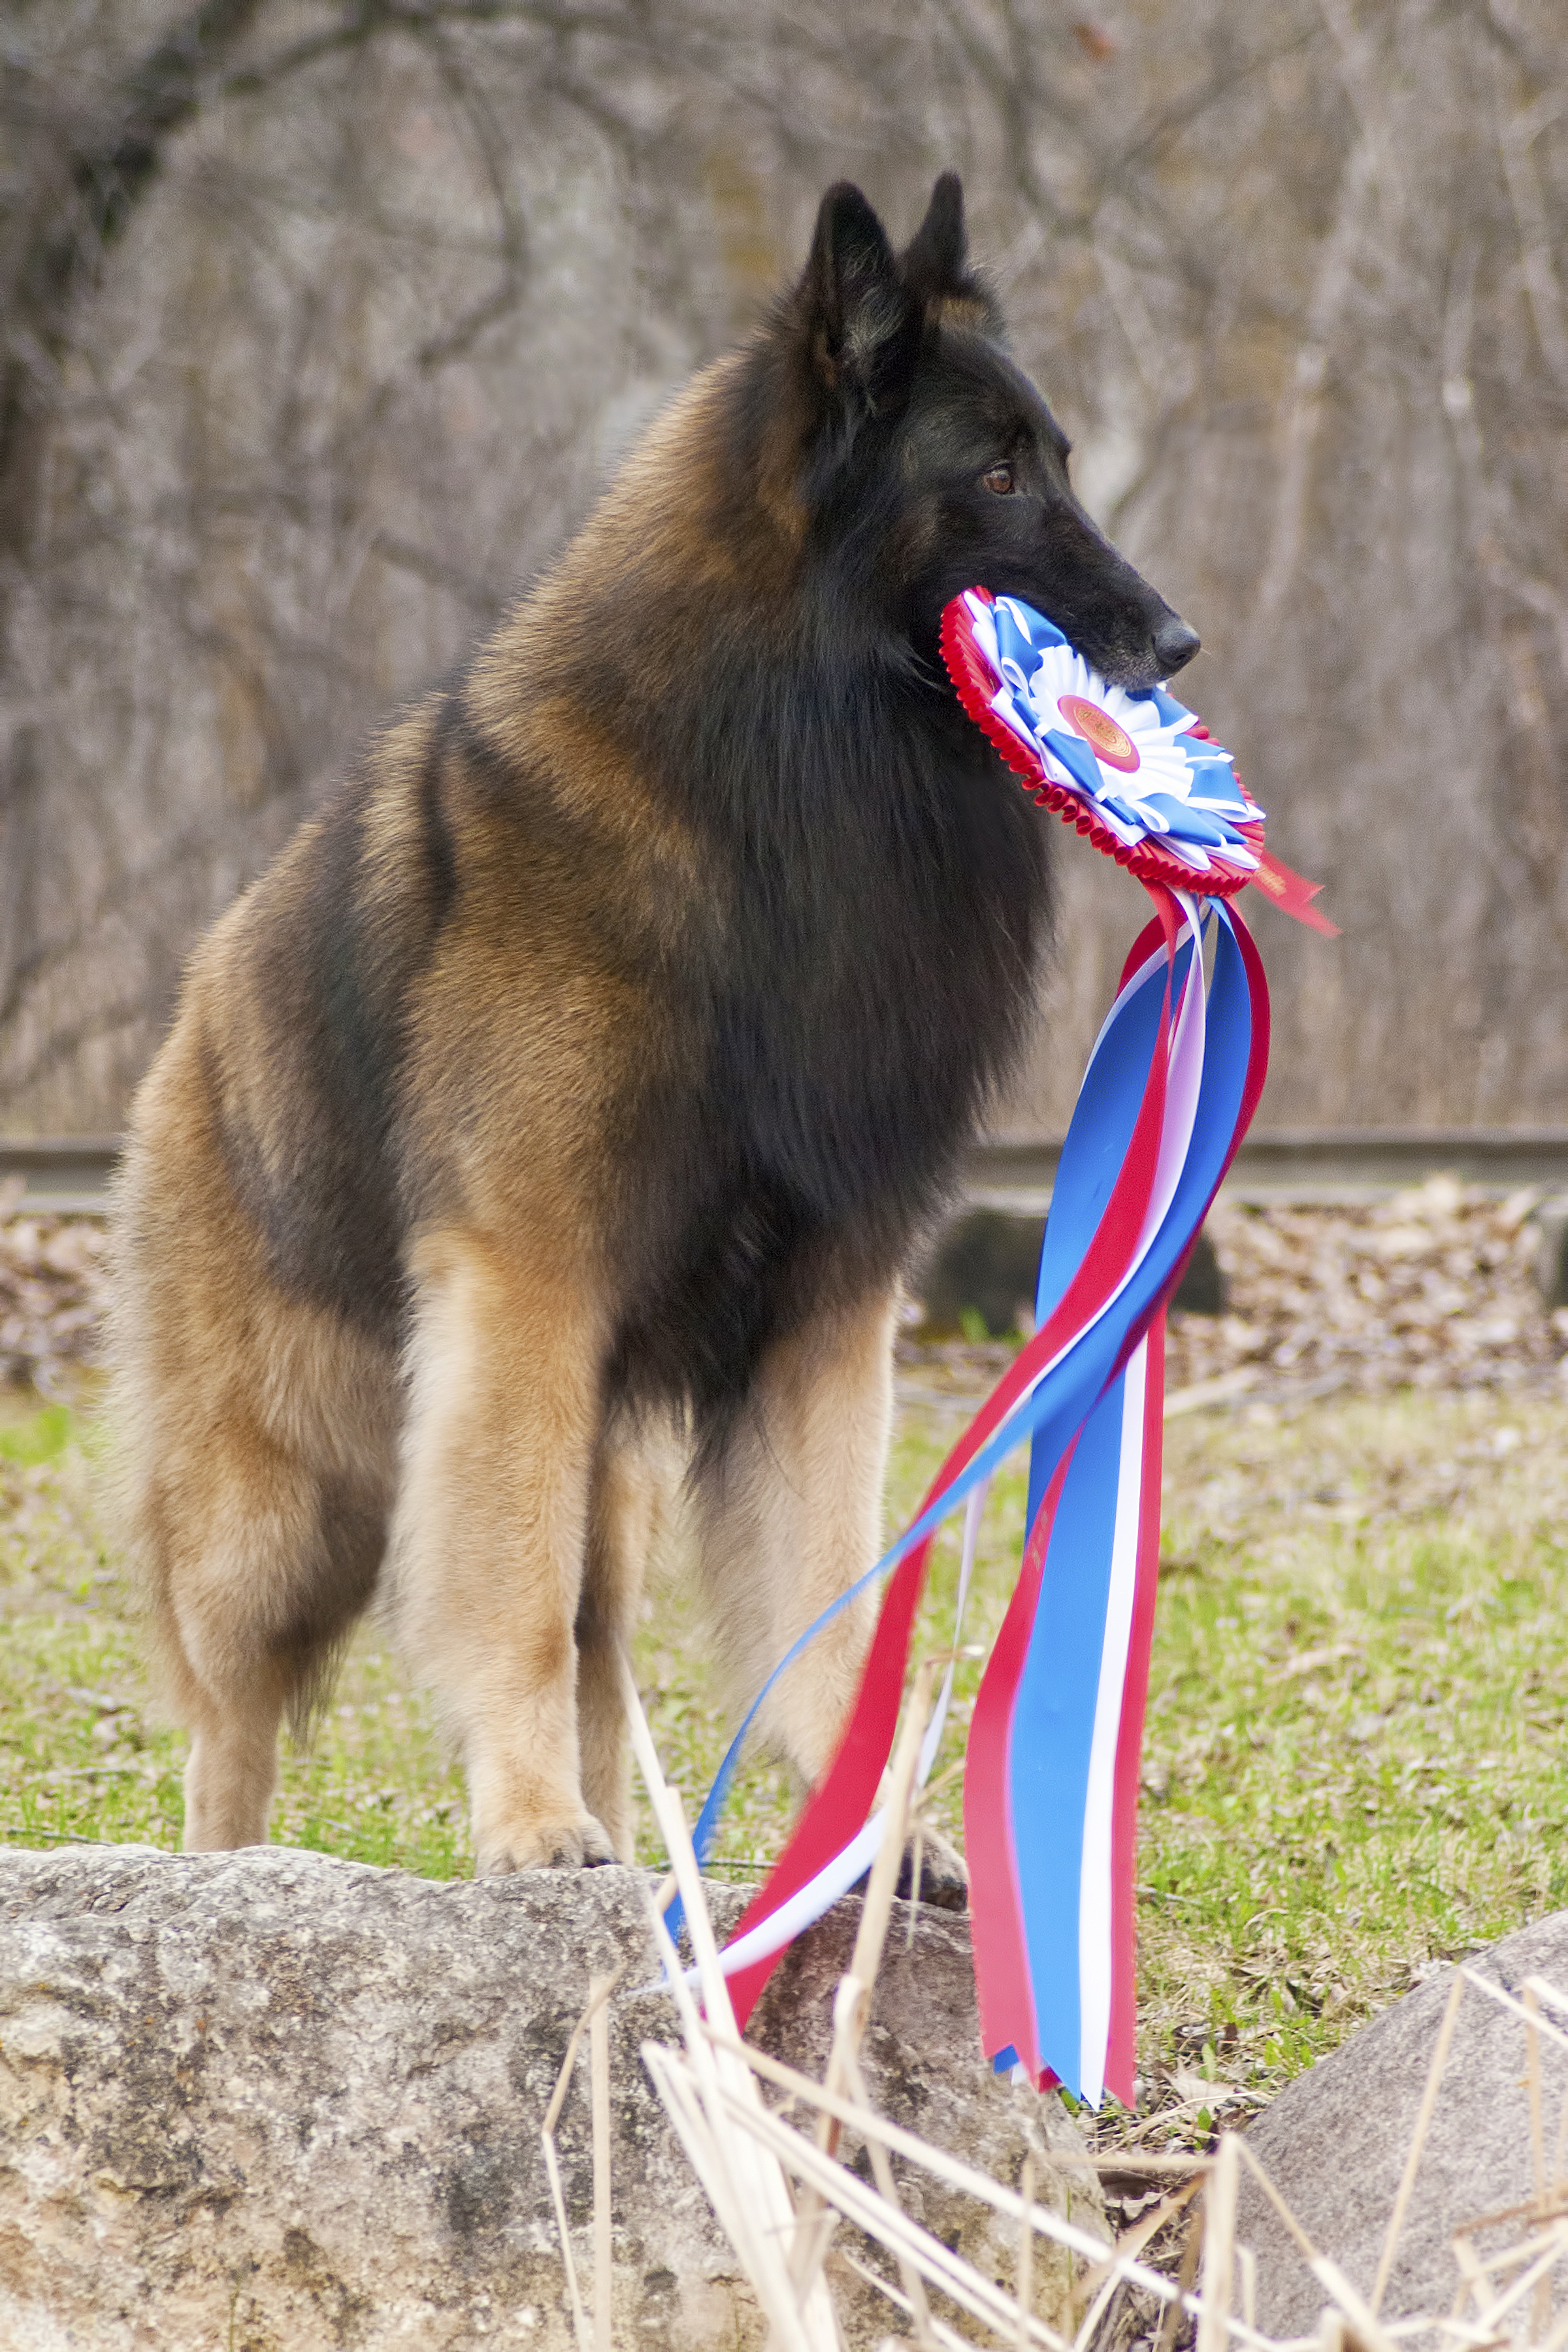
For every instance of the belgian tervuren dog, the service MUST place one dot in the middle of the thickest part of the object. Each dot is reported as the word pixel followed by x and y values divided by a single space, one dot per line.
pixel 588 1068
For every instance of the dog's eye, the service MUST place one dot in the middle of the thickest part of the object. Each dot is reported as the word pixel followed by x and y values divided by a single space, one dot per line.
pixel 1000 479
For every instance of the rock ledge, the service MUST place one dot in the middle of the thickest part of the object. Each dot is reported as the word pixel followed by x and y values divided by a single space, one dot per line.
pixel 269 2100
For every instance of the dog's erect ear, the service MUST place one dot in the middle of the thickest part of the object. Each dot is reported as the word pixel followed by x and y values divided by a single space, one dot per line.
pixel 936 269
pixel 862 323
pixel 934 256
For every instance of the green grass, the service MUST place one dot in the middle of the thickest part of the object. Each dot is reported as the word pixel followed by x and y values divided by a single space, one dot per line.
pixel 83 1753
pixel 1355 1760
pixel 1354 1763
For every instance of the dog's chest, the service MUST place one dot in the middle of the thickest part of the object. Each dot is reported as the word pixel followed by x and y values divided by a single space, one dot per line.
pixel 839 1071
pixel 870 1015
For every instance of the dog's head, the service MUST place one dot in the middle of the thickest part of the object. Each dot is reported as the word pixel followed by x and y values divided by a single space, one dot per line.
pixel 926 462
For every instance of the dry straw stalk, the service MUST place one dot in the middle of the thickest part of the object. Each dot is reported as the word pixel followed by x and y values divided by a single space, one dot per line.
pixel 779 2192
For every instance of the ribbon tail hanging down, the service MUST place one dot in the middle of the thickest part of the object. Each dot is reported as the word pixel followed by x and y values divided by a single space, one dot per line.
pixel 1125 1094
pixel 1056 1738
pixel 1170 1089
pixel 1120 1178
pixel 1127 1083
pixel 1046 1700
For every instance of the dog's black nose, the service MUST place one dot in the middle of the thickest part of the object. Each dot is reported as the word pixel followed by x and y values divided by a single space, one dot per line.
pixel 1175 645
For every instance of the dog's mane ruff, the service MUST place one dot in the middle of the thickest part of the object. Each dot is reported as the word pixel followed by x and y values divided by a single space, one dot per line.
pixel 855 982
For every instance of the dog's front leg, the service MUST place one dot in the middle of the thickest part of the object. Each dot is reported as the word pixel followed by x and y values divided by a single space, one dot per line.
pixel 792 1514
pixel 490 1531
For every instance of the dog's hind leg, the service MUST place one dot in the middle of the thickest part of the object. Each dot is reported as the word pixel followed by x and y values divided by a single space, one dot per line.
pixel 257 1439
pixel 490 1533
pixel 260 1527
pixel 271 1576
pixel 790 1515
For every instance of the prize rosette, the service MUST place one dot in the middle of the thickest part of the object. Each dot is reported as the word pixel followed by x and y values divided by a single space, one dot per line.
pixel 1137 772
pixel 1051 1769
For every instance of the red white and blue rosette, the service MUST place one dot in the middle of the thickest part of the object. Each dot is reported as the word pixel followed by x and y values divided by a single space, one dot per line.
pixel 1052 1761
pixel 1136 771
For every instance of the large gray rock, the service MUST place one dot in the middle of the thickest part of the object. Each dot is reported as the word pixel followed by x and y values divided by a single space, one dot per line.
pixel 1334 2143
pixel 262 2100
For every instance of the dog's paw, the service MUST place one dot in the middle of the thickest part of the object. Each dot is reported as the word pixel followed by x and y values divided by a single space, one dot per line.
pixel 944 1875
pixel 580 1845
pixel 944 1878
